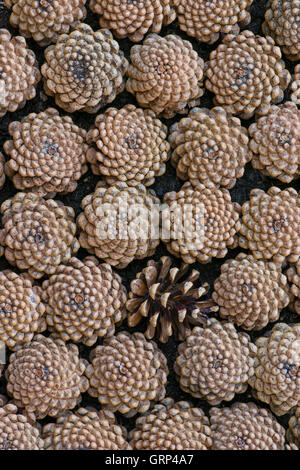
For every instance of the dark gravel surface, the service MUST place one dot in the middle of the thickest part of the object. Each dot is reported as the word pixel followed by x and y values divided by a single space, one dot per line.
pixel 168 182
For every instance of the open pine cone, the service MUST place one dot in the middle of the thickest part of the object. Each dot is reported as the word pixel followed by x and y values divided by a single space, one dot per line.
pixel 295 85
pixel 293 275
pixel 293 432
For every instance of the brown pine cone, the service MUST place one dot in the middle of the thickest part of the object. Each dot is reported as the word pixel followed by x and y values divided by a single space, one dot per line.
pixel 165 75
pixel 19 73
pixel 48 153
pixel 3 400
pixel 84 300
pixel 38 235
pixel 200 223
pixel 271 225
pixel 246 74
pixel 85 430
pixel 250 293
pixel 207 20
pixel 115 223
pixel 2 173
pixel 45 20
pixel 293 432
pixel 131 146
pixel 215 362
pixel 295 86
pixel 127 373
pixel 84 70
pixel 46 377
pixel 211 146
pixel 245 426
pixel 282 24
pixel 293 275
pixel 133 18
pixel 170 426
pixel 169 299
pixel 276 378
pixel 21 309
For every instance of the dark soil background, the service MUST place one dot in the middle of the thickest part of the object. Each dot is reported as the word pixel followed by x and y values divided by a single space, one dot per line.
pixel 168 182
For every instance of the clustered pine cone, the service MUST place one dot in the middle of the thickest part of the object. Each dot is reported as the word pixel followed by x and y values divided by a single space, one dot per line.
pixel 293 275
pixel 165 75
pixel 211 146
pixel 245 426
pixel 84 300
pixel 47 153
pixel 127 373
pixel 2 172
pixel 271 225
pixel 293 432
pixel 172 426
pixel 131 146
pixel 215 362
pixel 250 293
pixel 38 234
pixel 207 20
pixel 133 18
pixel 19 73
pixel 295 85
pixel 84 70
pixel 246 74
pixel 115 223
pixel 45 20
pixel 46 377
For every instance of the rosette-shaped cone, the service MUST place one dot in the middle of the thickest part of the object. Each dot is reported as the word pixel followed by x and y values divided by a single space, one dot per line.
pixel 275 142
pixel 246 74
pixel 45 20
pixel 215 362
pixel 245 426
pixel 46 377
pixel 170 298
pixel 47 153
pixel 276 378
pixel 84 300
pixel 38 234
pixel 2 172
pixel 171 426
pixel 165 75
pixel 116 223
pixel 131 146
pixel 84 70
pixel 85 429
pixel 271 225
pixel 21 309
pixel 17 432
pixel 133 18
pixel 293 432
pixel 293 275
pixel 282 23
pixel 250 293
pixel 295 85
pixel 207 20
pixel 200 223
pixel 209 145
pixel 127 374
pixel 19 73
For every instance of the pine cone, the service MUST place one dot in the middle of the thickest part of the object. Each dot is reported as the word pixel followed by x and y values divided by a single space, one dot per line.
pixel 46 377
pixel 131 146
pixel 165 75
pixel 84 300
pixel 246 74
pixel 200 223
pixel 295 86
pixel 211 146
pixel 84 70
pixel 115 223
pixel 276 378
pixel 44 20
pixel 132 18
pixel 2 173
pixel 3 400
pixel 19 73
pixel 85 430
pixel 293 432
pixel 250 293
pixel 172 426
pixel 38 235
pixel 207 20
pixel 245 426
pixel 127 373
pixel 282 24
pixel 48 153
pixel 271 225
pixel 293 275
pixel 169 298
